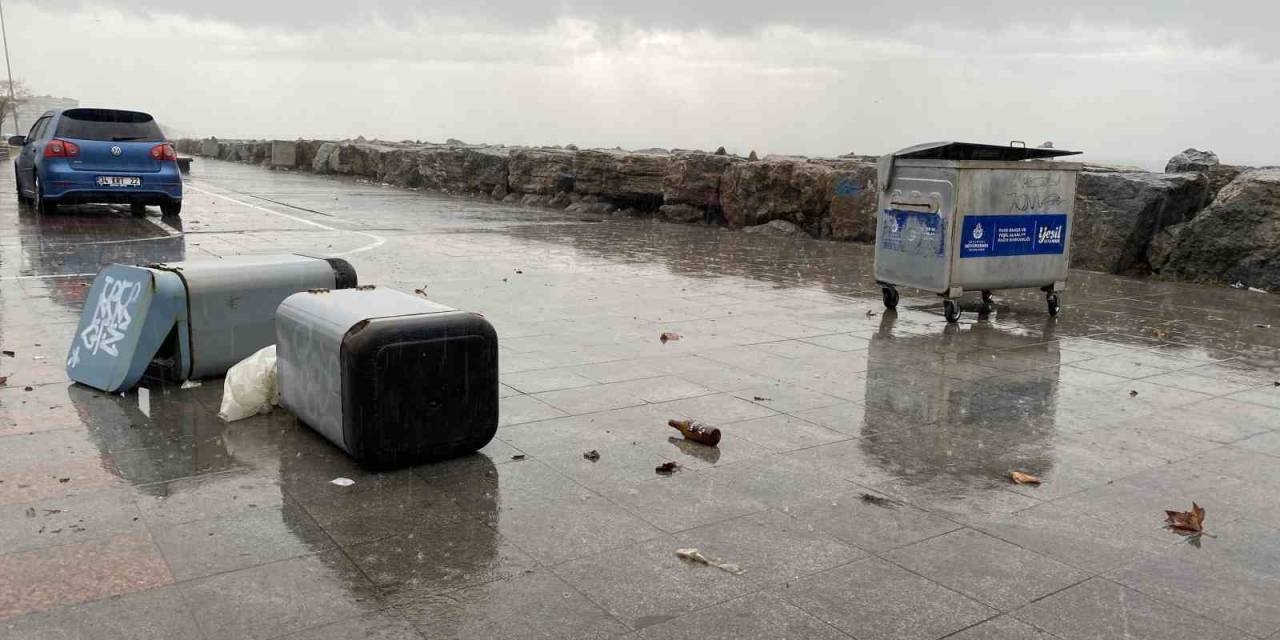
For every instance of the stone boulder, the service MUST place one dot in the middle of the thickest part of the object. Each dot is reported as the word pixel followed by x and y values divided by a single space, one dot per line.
pixel 1117 215
pixel 775 228
pixel 753 193
pixel 1236 238
pixel 851 211
pixel 631 178
pixel 462 170
pixel 1191 160
pixel 320 162
pixel 681 213
pixel 694 179
pixel 541 171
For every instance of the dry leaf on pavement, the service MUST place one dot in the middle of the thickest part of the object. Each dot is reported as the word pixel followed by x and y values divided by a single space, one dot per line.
pixel 667 468
pixel 1019 477
pixel 668 336
pixel 1185 522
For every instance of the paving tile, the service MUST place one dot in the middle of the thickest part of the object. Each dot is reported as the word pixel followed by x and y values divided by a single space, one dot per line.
pixel 1267 396
pixel 1102 610
pixel 209 496
pixel 1267 443
pixel 770 546
pixel 1075 538
pixel 397 502
pixel 64 520
pixel 274 599
pixel 876 600
pixel 154 614
pixel 40 579
pixel 685 500
pixel 1230 593
pixel 869 525
pixel 759 615
pixel 1002 628
pixel 381 625
pixel 987 569
pixel 205 547
pixel 717 409
pixel 537 605
pixel 546 380
pixel 593 399
pixel 455 556
pixel 619 371
pixel 521 409
pixel 564 527
pixel 786 397
pixel 783 433
pixel 646 583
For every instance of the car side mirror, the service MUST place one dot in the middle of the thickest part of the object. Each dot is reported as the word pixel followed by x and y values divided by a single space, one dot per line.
pixel 17 141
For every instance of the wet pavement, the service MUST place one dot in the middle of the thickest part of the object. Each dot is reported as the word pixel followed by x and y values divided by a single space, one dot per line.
pixel 861 482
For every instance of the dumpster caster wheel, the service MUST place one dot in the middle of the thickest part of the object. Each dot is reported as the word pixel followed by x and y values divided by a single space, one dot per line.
pixel 890 298
pixel 1053 302
pixel 951 309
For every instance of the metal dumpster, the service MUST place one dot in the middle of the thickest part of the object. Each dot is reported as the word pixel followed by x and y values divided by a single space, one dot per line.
pixel 188 320
pixel 959 216
pixel 390 378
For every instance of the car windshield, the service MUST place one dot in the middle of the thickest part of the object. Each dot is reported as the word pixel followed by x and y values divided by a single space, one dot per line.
pixel 109 125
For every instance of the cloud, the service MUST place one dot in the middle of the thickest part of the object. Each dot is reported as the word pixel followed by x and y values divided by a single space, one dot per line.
pixel 870 80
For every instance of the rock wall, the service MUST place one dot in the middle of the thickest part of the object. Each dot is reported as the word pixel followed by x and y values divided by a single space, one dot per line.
pixel 1127 220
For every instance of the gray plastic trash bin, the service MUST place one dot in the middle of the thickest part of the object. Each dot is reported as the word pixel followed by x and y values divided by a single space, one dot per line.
pixel 957 216
pixel 193 319
pixel 392 379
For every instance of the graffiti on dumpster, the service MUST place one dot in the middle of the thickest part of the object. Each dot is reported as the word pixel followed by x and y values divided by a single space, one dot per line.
pixel 111 318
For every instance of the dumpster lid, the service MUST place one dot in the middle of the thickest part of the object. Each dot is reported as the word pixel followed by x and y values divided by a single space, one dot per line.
pixel 950 150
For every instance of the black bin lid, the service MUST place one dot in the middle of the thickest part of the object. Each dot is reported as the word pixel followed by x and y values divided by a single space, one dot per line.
pixel 973 151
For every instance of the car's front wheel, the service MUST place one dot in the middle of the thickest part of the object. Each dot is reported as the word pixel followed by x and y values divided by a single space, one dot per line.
pixel 43 206
pixel 171 209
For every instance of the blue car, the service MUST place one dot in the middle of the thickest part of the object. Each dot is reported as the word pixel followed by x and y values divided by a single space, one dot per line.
pixel 97 155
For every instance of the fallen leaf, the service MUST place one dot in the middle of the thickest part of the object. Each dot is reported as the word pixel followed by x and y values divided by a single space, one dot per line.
pixel 4 380
pixel 28 388
pixel 592 455
pixel 31 512
pixel 519 271
pixel 667 468
pixel 667 336
pixel 1160 333
pixel 879 501
pixel 696 556
pixel 761 399
pixel 1185 522
pixel 518 456
pixel 1019 477
pixel 870 313
pixel 7 353
pixel 1133 393
pixel 64 480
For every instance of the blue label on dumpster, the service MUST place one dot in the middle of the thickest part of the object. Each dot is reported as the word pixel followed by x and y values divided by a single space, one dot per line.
pixel 1013 235
pixel 916 232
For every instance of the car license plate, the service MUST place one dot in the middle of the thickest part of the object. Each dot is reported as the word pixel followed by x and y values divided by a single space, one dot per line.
pixel 119 181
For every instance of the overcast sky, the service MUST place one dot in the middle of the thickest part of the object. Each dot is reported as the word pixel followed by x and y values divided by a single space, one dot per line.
pixel 1129 82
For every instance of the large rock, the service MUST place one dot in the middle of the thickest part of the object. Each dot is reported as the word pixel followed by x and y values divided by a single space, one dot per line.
pixel 1237 238
pixel 541 171
pixel 775 228
pixel 1191 160
pixel 851 212
pixel 1117 214
pixel 753 193
pixel 320 163
pixel 628 178
pixel 693 178
pixel 462 170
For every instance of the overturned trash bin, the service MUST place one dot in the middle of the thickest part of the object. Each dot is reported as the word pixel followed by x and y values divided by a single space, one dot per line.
pixel 390 378
pixel 958 216
pixel 188 320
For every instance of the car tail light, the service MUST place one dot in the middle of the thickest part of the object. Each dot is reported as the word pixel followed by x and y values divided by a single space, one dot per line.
pixel 61 149
pixel 163 152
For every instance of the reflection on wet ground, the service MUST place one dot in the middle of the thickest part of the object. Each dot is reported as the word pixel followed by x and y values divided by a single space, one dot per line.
pixel 861 482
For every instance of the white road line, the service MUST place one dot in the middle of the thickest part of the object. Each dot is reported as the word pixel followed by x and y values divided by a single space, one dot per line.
pixel 378 241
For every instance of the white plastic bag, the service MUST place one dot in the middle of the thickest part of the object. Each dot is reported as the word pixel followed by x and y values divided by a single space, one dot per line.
pixel 250 386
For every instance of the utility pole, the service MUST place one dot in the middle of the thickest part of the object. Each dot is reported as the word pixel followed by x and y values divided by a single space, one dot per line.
pixel 9 70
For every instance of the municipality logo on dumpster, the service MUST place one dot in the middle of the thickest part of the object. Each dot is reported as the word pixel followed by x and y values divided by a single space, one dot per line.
pixel 997 236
